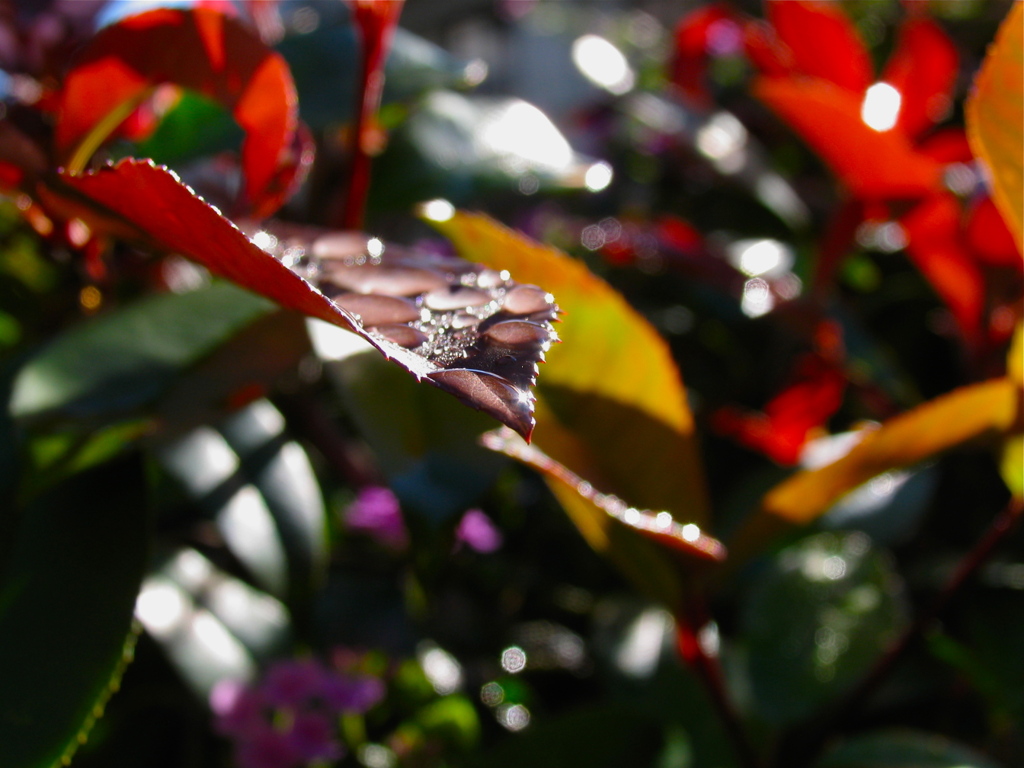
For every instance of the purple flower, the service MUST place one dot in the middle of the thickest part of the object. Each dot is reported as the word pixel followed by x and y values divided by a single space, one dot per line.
pixel 376 512
pixel 267 749
pixel 352 693
pixel 477 532
pixel 312 737
pixel 293 682
pixel 240 709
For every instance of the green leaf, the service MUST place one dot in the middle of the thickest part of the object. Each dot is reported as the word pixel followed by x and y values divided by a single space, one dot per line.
pixel 816 619
pixel 904 749
pixel 66 602
pixel 195 126
pixel 121 361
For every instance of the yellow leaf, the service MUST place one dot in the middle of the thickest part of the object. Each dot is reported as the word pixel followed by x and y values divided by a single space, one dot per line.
pixel 1011 465
pixel 989 409
pixel 612 405
pixel 995 119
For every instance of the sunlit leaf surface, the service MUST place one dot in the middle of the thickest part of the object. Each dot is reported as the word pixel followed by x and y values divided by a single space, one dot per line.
pixel 995 118
pixel 989 409
pixel 199 49
pixel 469 330
pixel 943 423
pixel 611 390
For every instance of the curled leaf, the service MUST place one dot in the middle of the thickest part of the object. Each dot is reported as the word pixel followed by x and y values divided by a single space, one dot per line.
pixel 202 50
pixel 469 330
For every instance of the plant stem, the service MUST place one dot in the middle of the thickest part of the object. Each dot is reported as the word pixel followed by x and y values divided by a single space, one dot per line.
pixel 102 131
pixel 706 666
pixel 806 754
pixel 375 21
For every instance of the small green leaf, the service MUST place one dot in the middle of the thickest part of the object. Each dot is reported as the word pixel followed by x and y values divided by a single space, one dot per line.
pixel 66 602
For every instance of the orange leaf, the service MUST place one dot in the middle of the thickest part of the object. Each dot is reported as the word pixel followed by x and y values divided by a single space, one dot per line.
pixel 201 50
pixel 921 433
pixel 995 119
pixel 871 164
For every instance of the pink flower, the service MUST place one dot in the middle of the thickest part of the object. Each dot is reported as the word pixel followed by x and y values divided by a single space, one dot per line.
pixel 477 532
pixel 376 512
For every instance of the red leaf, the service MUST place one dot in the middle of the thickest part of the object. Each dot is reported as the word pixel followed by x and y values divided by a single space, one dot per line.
pixel 988 237
pixel 923 69
pixel 870 163
pixel 696 35
pixel 935 246
pixel 823 41
pixel 947 145
pixel 791 417
pixel 198 49
pixel 466 329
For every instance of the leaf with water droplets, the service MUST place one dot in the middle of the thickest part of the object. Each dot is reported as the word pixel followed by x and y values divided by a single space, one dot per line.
pixel 613 405
pixel 611 526
pixel 465 328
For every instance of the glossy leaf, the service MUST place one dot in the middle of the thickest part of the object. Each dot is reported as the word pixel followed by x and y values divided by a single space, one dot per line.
pixel 250 626
pixel 923 68
pixel 468 330
pixel 121 361
pixel 199 49
pixel 871 164
pixel 995 119
pixel 280 469
pixel 823 41
pixel 818 616
pixel 66 604
pixel 612 388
